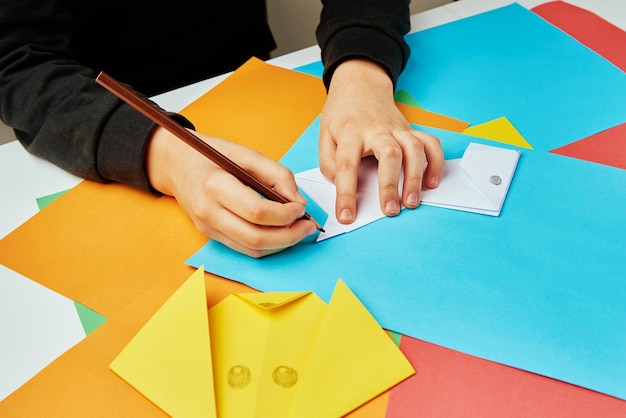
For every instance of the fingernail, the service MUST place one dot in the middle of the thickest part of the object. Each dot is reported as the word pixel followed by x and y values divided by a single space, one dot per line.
pixel 411 199
pixel 391 207
pixel 345 215
pixel 434 181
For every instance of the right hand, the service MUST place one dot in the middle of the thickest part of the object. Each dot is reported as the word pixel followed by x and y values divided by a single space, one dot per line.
pixel 220 206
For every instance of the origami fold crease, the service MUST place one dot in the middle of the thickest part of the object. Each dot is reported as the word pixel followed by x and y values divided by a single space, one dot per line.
pixel 478 182
pixel 285 354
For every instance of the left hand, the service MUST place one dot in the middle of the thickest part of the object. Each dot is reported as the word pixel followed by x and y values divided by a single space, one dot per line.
pixel 360 119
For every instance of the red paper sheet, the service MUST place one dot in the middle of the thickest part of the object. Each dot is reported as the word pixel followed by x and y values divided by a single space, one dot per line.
pixel 607 147
pixel 588 28
pixel 448 384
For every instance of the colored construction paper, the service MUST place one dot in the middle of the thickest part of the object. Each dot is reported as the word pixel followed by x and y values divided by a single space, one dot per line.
pixel 268 354
pixel 418 116
pixel 261 343
pixel 36 326
pixel 169 360
pixel 403 96
pixel 101 244
pixel 486 285
pixel 541 287
pixel 395 337
pixel 314 68
pixel 280 353
pixel 104 246
pixel 478 182
pixel 588 28
pixel 607 147
pixel 80 382
pixel 27 178
pixel 352 361
pixel 453 384
pixel 89 318
pixel 82 371
pixel 376 408
pixel 305 150
pixel 44 201
pixel 511 62
pixel 260 105
pixel 501 130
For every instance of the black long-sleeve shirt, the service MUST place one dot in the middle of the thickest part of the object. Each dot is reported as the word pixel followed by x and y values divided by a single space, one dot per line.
pixel 51 51
pixel 372 29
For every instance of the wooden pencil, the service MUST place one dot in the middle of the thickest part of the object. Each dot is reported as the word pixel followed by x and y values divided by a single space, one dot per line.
pixel 159 117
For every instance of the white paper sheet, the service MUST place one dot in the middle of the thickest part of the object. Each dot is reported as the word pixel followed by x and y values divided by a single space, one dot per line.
pixel 478 182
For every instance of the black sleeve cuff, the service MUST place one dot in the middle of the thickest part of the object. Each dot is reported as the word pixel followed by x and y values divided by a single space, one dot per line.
pixel 366 43
pixel 122 147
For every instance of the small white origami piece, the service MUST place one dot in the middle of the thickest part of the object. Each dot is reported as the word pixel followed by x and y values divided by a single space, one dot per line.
pixel 478 182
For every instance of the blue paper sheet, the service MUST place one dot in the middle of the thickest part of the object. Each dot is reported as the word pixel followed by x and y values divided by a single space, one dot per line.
pixel 510 62
pixel 542 287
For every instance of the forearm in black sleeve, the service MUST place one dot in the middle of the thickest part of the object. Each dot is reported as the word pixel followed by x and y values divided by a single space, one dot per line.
pixel 55 106
pixel 371 29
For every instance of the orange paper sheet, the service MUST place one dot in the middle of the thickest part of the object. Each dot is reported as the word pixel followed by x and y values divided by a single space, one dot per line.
pixel 260 105
pixel 80 383
pixel 419 116
pixel 121 252
pixel 102 245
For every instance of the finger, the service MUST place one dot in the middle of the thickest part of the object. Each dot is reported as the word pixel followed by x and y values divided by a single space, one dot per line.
pixel 434 156
pixel 413 161
pixel 282 180
pixel 258 241
pixel 248 205
pixel 347 162
pixel 272 174
pixel 389 155
pixel 327 150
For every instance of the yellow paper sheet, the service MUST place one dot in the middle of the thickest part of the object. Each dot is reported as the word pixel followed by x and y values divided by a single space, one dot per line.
pixel 260 350
pixel 501 130
pixel 169 360
pixel 353 360
pixel 273 354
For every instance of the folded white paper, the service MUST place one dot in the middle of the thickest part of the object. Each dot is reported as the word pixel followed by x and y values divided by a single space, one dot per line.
pixel 323 192
pixel 478 182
